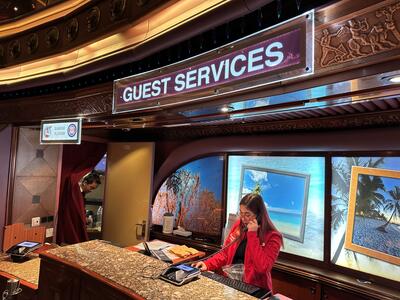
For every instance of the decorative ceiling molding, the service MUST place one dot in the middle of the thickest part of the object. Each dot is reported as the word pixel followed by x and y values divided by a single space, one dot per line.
pixel 385 119
pixel 145 25
pixel 81 104
pixel 43 17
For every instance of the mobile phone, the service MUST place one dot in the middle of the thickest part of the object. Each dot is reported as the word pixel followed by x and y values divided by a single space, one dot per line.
pixel 258 218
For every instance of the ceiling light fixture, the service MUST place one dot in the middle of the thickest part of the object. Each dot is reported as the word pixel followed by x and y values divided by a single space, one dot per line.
pixel 391 78
pixel 394 79
pixel 226 108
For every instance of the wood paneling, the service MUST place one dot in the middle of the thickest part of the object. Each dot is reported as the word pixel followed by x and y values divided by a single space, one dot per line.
pixel 295 287
pixel 16 233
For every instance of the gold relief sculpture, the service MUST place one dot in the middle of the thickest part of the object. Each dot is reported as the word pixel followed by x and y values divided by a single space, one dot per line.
pixel 117 9
pixel 93 19
pixel 14 49
pixel 52 36
pixel 360 37
pixel 33 43
pixel 72 29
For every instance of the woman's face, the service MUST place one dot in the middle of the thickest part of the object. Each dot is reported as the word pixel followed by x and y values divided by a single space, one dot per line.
pixel 246 215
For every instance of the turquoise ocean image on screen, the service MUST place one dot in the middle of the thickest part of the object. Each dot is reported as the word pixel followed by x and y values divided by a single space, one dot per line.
pixel 286 206
pixel 293 190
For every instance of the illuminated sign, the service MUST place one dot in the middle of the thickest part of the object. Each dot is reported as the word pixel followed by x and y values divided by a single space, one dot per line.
pixel 61 131
pixel 279 53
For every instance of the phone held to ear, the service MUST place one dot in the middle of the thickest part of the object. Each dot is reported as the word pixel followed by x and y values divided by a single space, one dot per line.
pixel 180 274
pixel 258 219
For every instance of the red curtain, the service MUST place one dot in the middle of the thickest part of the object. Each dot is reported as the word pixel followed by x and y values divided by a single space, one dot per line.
pixel 77 161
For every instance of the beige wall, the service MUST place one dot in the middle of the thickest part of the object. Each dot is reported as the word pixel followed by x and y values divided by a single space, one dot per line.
pixel 128 190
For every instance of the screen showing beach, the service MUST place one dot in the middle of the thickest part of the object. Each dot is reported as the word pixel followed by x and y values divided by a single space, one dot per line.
pixel 193 194
pixel 293 192
pixel 366 214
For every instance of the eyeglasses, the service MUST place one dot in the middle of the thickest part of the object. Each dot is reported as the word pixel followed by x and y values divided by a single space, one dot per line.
pixel 246 214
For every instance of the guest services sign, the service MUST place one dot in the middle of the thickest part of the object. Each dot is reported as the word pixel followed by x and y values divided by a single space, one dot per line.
pixel 279 53
pixel 61 131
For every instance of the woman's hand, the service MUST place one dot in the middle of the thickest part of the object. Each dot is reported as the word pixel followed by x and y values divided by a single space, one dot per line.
pixel 200 265
pixel 252 225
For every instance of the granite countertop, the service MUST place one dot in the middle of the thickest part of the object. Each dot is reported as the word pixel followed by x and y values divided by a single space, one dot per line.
pixel 137 273
pixel 28 270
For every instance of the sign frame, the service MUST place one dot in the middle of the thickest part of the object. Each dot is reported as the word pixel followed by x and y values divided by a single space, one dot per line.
pixel 70 125
pixel 303 23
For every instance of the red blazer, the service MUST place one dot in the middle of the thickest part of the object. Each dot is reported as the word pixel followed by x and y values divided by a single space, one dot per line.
pixel 259 258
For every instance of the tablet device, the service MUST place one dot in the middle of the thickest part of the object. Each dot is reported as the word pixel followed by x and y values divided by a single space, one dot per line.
pixel 20 250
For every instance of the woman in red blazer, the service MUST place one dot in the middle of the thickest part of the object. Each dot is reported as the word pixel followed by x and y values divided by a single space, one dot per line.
pixel 253 241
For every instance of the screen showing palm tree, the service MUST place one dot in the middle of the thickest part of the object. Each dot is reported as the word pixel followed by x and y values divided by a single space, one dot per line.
pixel 373 225
pixel 365 232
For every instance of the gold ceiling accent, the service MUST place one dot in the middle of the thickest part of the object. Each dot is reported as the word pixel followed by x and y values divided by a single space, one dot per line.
pixel 47 15
pixel 170 16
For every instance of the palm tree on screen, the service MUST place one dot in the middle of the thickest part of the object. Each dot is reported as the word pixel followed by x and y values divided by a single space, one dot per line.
pixel 341 178
pixel 393 205
pixel 370 199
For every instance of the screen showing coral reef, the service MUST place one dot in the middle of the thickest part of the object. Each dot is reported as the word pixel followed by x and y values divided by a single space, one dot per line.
pixel 366 214
pixel 193 194
pixel 293 192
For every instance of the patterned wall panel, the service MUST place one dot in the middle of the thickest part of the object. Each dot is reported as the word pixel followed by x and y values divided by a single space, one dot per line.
pixel 35 183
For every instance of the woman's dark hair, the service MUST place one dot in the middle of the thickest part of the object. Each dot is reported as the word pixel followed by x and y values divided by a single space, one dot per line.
pixel 255 203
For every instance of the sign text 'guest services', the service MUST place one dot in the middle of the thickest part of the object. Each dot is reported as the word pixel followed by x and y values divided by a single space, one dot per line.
pixel 276 54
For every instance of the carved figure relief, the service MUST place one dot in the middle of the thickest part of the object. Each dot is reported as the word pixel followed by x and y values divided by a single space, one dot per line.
pixel 360 37
pixel 117 9
pixel 93 19
pixel 32 43
pixel 14 49
pixel 72 29
pixel 52 36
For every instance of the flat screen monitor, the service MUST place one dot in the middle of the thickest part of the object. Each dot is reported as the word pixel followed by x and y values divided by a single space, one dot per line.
pixel 292 188
pixel 193 194
pixel 365 232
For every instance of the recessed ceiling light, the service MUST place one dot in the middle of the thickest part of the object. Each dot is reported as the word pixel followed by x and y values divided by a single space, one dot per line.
pixel 137 119
pixel 391 78
pixel 394 79
pixel 226 108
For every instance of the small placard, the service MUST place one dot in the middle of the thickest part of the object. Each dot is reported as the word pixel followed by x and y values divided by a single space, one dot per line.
pixel 62 131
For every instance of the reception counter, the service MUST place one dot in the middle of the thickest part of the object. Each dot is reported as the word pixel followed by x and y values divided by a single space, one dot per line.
pixel 26 272
pixel 97 270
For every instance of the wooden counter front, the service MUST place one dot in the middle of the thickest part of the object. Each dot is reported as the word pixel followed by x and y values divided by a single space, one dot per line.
pixel 26 272
pixel 97 270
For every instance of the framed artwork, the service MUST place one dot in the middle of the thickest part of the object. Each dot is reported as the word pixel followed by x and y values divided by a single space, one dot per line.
pixel 285 195
pixel 373 220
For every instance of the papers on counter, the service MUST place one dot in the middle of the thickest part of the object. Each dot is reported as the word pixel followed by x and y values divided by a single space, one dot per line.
pixel 155 245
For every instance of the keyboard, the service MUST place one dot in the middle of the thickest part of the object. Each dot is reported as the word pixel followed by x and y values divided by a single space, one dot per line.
pixel 249 289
